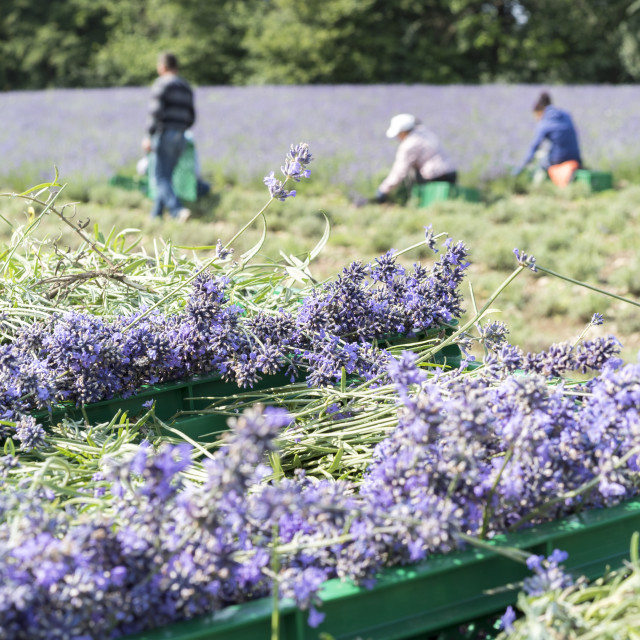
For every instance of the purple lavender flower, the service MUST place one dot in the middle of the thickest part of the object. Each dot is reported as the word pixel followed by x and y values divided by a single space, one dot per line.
pixel 296 162
pixel 596 354
pixel 429 238
pixel 549 575
pixel 303 585
pixel 294 167
pixel 559 359
pixel 392 302
pixel 221 252
pixel 315 617
pixel 7 464
pixel 404 371
pixel 525 260
pixel 100 490
pixel 493 334
pixel 507 619
pixel 30 433
pixel 276 188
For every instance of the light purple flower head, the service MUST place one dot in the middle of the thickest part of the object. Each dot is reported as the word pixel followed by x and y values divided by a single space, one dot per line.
pixel 525 260
pixel 276 188
pixel 507 620
pixel 30 433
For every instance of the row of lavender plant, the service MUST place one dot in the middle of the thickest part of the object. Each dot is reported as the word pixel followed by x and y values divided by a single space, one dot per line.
pixel 472 455
pixel 485 128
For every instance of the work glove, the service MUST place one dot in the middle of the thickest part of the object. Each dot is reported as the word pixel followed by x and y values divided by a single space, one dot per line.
pixel 379 197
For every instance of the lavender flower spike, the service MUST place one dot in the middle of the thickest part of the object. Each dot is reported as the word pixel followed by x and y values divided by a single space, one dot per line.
pixel 30 434
pixel 549 574
pixel 507 620
pixel 296 162
pixel 430 238
pixel 525 260
pixel 222 252
pixel 295 167
pixel 276 188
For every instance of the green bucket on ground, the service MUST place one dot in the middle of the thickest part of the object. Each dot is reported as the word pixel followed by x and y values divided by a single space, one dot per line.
pixel 129 183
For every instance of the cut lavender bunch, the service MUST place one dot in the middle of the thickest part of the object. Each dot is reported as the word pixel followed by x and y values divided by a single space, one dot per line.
pixel 469 456
pixel 81 358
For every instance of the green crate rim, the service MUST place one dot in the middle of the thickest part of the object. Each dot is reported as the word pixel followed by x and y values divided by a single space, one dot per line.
pixel 449 356
pixel 222 624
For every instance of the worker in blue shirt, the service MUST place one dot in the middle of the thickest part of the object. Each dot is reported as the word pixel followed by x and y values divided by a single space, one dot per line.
pixel 557 127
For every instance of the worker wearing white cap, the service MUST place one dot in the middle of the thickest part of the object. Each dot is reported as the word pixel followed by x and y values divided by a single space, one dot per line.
pixel 420 157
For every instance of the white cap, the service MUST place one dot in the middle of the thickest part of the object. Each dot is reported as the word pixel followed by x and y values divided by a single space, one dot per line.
pixel 399 123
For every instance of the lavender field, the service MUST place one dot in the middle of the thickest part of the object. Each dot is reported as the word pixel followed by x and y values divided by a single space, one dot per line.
pixel 241 131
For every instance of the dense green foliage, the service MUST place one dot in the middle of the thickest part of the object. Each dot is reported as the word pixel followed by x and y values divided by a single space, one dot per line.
pixel 96 43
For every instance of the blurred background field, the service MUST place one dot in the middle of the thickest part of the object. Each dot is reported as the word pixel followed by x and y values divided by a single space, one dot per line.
pixel 240 132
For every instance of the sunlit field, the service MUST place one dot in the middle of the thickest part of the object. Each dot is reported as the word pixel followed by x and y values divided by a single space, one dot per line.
pixel 232 422
pixel 91 134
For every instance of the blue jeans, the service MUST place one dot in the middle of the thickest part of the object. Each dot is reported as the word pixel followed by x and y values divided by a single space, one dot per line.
pixel 167 146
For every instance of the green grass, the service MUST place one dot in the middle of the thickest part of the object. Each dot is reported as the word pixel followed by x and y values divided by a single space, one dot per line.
pixel 589 237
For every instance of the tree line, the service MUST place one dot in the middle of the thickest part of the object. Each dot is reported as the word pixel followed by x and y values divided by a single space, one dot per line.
pixel 101 43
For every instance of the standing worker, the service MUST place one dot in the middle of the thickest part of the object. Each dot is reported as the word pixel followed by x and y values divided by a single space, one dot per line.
pixel 420 157
pixel 171 113
pixel 557 127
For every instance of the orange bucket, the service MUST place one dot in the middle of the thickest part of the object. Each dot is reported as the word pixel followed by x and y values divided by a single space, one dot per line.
pixel 560 174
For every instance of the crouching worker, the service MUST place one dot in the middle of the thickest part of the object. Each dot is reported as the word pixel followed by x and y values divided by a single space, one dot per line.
pixel 557 129
pixel 419 159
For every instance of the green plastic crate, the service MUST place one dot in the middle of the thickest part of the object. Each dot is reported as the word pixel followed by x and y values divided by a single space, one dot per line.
pixel 179 404
pixel 130 183
pixel 449 356
pixel 182 403
pixel 426 194
pixel 596 180
pixel 411 602
pixel 184 180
